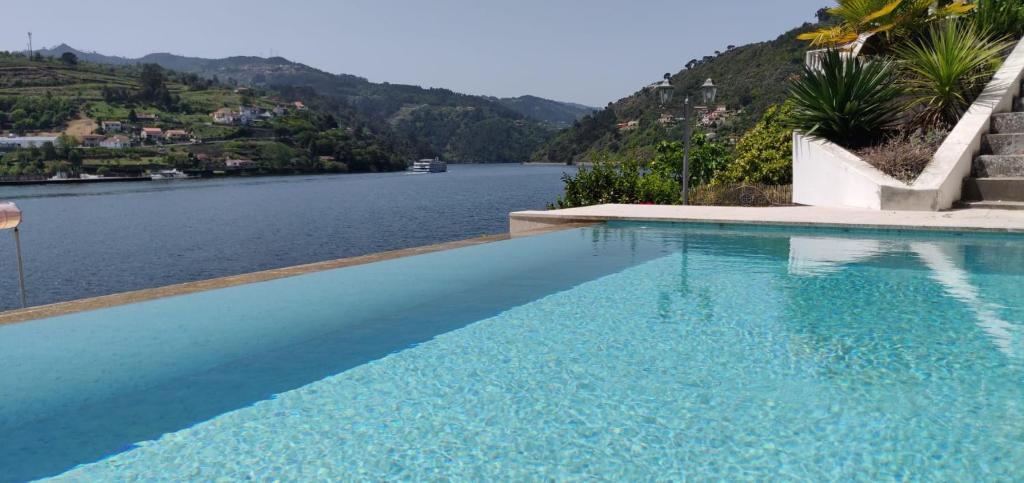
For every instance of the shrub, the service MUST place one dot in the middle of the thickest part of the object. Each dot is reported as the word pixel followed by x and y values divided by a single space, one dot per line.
pixel 847 101
pixel 904 155
pixel 946 70
pixel 1001 18
pixel 765 153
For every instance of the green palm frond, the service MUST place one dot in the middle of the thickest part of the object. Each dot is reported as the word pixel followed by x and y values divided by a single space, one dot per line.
pixel 847 101
pixel 947 69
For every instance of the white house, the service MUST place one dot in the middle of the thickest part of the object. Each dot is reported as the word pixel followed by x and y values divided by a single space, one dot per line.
pixel 151 133
pixel 247 114
pixel 224 116
pixel 91 140
pixel 116 142
pixel 14 142
pixel 176 135
pixel 239 163
pixel 111 126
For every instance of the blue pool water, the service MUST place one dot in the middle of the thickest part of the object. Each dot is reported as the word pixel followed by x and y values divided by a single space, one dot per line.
pixel 624 352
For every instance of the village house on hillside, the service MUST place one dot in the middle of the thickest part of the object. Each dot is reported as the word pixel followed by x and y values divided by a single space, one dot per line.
pixel 248 114
pixel 91 140
pixel 239 163
pixel 24 142
pixel 153 133
pixel 116 142
pixel 147 118
pixel 111 126
pixel 224 115
pixel 176 135
pixel 628 126
pixel 709 117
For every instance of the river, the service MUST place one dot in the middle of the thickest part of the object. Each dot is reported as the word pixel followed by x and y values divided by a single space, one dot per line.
pixel 96 239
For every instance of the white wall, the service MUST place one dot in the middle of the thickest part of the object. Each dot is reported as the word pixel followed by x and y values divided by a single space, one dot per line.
pixel 825 174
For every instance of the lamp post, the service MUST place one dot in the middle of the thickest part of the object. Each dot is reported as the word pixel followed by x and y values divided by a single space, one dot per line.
pixel 664 91
pixel 10 218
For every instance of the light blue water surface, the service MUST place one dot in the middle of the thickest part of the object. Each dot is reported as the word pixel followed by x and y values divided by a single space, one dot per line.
pixel 626 351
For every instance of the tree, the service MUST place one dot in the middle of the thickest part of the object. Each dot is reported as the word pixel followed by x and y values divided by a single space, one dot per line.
pixel 69 58
pixel 765 153
pixel 154 87
pixel 75 158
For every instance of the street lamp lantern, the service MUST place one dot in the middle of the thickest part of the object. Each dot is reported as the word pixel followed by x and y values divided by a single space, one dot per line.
pixel 664 90
pixel 709 91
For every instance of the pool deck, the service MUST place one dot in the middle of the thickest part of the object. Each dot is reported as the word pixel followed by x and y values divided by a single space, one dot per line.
pixel 975 220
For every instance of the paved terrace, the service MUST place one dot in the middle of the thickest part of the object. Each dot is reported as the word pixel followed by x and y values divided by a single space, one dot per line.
pixel 958 220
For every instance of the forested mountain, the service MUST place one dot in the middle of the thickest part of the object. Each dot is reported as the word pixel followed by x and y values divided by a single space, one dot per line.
pixel 561 114
pixel 436 122
pixel 750 78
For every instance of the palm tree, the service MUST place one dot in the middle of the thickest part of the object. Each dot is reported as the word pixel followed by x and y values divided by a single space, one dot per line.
pixel 894 18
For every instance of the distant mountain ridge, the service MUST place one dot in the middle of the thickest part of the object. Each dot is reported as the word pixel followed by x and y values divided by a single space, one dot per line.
pixel 555 112
pixel 440 117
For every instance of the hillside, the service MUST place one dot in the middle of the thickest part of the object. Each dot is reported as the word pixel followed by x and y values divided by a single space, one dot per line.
pixel 561 114
pixel 750 78
pixel 437 122
pixel 51 97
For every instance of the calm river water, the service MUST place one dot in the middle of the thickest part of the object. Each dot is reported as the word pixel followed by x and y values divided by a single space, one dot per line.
pixel 88 240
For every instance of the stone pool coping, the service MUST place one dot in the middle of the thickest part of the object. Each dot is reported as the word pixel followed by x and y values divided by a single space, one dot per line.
pixel 124 298
pixel 970 220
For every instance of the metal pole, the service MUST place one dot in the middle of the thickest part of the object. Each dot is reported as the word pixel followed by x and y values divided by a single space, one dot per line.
pixel 688 134
pixel 21 267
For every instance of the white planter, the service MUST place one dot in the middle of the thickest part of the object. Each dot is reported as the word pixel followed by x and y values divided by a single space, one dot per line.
pixel 825 174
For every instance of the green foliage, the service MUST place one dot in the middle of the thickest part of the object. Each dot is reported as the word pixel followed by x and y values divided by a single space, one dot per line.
pixel 848 101
pixel 628 181
pixel 605 182
pixel 764 154
pixel 1001 18
pixel 947 69
pixel 154 88
pixel 707 159
pixel 29 113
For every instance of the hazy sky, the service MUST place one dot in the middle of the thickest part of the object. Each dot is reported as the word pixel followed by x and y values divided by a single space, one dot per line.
pixel 587 51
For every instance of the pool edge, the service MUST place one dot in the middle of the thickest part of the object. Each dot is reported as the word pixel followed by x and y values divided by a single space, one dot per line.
pixel 16 316
pixel 965 221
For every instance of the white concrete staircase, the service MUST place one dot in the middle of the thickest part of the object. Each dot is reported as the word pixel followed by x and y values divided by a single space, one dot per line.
pixel 997 175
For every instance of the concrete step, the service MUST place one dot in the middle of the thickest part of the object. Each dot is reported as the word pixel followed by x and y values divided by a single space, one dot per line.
pixel 995 166
pixel 994 189
pixel 992 205
pixel 1002 144
pixel 1008 123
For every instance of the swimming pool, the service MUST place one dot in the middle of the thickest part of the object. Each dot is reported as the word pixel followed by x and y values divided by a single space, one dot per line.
pixel 620 351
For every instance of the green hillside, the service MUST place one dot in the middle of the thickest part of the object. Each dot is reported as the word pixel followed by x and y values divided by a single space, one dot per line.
pixel 750 78
pixel 435 122
pixel 46 96
pixel 561 114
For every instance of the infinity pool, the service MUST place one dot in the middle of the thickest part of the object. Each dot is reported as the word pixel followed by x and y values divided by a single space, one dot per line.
pixel 621 351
